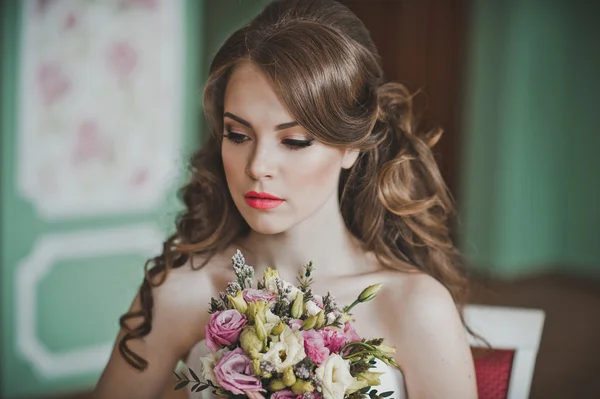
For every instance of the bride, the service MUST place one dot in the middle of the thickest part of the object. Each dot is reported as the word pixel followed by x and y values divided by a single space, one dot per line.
pixel 312 157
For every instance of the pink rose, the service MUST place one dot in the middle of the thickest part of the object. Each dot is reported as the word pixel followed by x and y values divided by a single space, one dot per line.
pixel 295 324
pixel 285 394
pixel 314 346
pixel 253 295
pixel 224 328
pixel 334 340
pixel 350 332
pixel 234 373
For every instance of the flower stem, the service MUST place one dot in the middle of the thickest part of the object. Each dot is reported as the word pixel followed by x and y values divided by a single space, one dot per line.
pixel 348 308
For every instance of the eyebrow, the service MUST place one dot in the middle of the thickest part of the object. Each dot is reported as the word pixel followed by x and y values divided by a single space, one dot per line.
pixel 244 122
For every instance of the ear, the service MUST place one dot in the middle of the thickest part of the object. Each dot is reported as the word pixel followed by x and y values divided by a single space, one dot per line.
pixel 349 158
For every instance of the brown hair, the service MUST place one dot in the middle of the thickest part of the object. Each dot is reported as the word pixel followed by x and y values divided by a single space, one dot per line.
pixel 326 71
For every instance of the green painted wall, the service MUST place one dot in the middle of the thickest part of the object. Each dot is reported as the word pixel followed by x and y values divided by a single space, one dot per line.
pixel 224 18
pixel 531 191
pixel 79 298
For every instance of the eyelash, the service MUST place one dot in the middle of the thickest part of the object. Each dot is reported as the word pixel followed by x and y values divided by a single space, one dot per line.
pixel 291 144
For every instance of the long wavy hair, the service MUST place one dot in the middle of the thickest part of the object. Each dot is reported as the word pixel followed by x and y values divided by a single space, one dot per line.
pixel 326 71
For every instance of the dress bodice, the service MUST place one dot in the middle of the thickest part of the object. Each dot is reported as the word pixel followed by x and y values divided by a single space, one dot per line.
pixel 392 380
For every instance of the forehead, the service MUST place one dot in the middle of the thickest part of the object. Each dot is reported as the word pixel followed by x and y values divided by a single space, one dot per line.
pixel 250 95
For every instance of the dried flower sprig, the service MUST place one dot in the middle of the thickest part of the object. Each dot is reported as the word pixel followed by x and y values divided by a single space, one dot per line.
pixel 243 272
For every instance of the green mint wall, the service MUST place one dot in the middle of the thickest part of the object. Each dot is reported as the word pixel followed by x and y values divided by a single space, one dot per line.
pixel 531 185
pixel 97 125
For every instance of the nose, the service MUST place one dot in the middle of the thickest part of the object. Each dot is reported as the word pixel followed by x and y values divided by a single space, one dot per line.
pixel 260 165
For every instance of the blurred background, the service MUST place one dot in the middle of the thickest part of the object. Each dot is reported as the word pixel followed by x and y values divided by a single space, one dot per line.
pixel 100 109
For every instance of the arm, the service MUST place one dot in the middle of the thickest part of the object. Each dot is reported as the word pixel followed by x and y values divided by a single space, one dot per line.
pixel 174 331
pixel 431 343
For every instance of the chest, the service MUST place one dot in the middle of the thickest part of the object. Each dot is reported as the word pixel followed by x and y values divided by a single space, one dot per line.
pixel 370 319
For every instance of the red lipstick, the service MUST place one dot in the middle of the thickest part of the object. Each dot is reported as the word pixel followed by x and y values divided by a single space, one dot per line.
pixel 262 200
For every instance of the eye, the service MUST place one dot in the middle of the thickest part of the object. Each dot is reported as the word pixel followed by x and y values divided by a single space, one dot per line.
pixel 292 144
pixel 235 138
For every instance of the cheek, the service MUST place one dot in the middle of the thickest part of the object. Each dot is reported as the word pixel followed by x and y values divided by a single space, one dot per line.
pixel 319 172
pixel 232 164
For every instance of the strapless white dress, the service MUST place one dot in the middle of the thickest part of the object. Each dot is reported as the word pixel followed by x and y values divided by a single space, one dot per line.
pixel 392 380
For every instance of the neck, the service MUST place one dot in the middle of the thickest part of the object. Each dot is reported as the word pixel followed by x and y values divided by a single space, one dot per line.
pixel 322 238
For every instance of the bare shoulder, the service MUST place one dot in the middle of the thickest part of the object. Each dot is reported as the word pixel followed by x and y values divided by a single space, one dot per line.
pixel 193 284
pixel 181 302
pixel 179 310
pixel 424 308
pixel 421 296
pixel 429 336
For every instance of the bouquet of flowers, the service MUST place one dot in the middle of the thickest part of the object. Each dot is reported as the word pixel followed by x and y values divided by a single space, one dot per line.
pixel 281 341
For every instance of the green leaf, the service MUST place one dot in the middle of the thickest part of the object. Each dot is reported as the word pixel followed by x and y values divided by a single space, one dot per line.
pixel 177 378
pixel 181 385
pixel 202 388
pixel 386 394
pixel 195 387
pixel 194 375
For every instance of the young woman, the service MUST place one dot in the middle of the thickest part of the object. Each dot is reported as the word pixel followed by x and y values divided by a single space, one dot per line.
pixel 300 112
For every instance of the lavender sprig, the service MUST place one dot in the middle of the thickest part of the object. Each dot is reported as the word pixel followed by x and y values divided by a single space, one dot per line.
pixel 243 272
pixel 232 288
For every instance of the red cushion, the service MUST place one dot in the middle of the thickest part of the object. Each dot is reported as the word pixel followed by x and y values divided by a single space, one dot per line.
pixel 492 370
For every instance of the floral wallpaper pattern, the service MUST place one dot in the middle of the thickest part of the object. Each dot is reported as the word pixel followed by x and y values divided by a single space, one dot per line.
pixel 100 105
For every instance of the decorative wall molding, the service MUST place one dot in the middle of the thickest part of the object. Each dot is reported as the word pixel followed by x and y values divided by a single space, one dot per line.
pixel 143 239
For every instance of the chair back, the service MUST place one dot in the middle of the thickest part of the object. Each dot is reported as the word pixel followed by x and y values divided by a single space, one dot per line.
pixel 506 371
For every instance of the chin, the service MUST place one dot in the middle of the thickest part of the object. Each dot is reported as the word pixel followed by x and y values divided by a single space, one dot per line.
pixel 265 227
pixel 268 224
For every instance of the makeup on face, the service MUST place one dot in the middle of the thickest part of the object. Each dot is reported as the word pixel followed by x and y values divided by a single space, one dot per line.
pixel 262 201
pixel 237 137
pixel 277 173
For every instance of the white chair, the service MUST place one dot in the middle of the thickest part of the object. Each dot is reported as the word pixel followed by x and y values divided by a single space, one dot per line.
pixel 516 329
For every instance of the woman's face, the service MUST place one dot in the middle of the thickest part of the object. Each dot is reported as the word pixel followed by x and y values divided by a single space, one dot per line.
pixel 265 151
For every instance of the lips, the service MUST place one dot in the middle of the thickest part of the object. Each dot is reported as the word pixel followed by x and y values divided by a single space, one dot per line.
pixel 254 194
pixel 262 200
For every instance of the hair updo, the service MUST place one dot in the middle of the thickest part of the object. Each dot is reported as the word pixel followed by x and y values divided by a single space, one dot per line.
pixel 326 71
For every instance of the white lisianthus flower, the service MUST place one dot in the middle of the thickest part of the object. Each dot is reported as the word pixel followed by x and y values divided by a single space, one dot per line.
pixel 290 346
pixel 208 364
pixel 335 377
pixel 312 308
